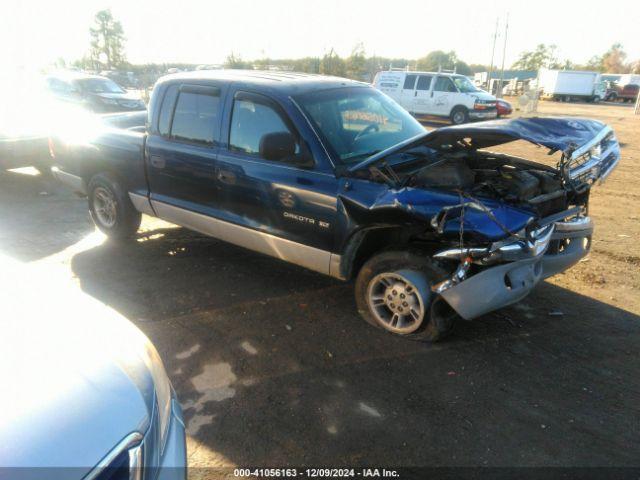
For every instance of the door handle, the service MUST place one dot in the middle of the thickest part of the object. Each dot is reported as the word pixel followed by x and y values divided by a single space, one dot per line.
pixel 227 177
pixel 157 161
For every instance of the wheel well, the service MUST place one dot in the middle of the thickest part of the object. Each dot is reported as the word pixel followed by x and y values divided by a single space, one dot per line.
pixel 97 169
pixel 364 244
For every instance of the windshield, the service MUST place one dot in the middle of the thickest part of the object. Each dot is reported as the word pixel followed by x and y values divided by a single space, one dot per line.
pixel 358 122
pixel 99 85
pixel 464 85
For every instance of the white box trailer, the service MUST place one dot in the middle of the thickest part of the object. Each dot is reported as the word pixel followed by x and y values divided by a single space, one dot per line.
pixel 567 85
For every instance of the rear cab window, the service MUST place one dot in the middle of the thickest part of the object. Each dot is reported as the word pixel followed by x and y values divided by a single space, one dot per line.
pixel 191 113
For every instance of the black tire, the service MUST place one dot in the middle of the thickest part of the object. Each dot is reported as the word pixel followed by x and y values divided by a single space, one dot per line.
pixel 126 219
pixel 438 318
pixel 459 115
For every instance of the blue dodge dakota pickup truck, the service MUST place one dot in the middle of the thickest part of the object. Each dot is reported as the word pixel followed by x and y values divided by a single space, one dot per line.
pixel 332 175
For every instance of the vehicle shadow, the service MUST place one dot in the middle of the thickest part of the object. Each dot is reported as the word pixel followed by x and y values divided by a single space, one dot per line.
pixel 38 216
pixel 274 367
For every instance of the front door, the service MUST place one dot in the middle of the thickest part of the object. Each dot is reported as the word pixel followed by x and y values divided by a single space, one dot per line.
pixel 285 197
pixel 444 96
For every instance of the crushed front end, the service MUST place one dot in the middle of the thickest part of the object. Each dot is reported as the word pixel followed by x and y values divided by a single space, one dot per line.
pixel 499 223
pixel 506 271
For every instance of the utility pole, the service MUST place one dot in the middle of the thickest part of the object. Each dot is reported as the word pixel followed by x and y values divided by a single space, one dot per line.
pixel 493 51
pixel 504 52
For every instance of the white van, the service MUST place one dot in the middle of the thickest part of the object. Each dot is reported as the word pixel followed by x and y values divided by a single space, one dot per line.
pixel 441 94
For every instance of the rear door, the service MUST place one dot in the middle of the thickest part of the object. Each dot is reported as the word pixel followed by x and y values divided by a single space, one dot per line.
pixel 181 156
pixel 422 98
pixel 444 96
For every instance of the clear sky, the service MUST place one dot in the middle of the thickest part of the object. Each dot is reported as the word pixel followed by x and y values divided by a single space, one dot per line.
pixel 36 32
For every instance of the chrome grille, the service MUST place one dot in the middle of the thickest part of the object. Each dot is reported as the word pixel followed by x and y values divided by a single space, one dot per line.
pixel 592 161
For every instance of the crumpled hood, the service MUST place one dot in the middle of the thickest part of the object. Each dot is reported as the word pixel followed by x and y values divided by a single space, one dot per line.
pixel 366 198
pixel 559 134
pixel 74 378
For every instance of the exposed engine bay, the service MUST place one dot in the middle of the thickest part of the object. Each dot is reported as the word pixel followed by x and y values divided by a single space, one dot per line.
pixel 502 177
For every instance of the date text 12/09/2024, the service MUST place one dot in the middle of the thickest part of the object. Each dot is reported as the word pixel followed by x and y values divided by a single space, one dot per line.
pixel 316 472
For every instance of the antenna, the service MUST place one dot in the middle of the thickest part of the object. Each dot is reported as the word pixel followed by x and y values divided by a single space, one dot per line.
pixel 493 51
pixel 504 51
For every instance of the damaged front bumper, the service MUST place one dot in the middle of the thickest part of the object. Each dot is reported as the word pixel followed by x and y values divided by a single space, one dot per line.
pixel 557 248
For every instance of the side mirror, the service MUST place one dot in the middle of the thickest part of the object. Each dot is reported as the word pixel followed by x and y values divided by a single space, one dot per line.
pixel 277 146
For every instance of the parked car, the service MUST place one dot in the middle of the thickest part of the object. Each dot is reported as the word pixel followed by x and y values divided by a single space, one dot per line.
pixel 624 93
pixel 439 94
pixel 503 108
pixel 85 394
pixel 93 92
pixel 570 85
pixel 334 176
pixel 25 127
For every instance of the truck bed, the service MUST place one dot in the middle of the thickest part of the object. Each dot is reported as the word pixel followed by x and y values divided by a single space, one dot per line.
pixel 115 143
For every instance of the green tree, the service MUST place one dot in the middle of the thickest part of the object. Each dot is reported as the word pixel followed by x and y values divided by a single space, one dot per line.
pixel 478 67
pixel 107 41
pixel 613 61
pixel 236 62
pixel 544 56
pixel 437 59
pixel 356 63
pixel 595 63
pixel 332 64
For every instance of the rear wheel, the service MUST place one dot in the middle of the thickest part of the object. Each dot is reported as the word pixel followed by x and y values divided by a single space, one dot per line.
pixel 393 292
pixel 459 115
pixel 110 207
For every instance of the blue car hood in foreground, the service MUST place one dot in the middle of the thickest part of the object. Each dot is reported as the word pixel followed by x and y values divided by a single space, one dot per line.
pixel 557 134
pixel 74 380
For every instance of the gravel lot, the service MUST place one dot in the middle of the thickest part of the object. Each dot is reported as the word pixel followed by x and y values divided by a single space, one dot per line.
pixel 274 367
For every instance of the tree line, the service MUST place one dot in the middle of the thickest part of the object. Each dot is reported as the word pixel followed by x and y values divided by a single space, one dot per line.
pixel 107 51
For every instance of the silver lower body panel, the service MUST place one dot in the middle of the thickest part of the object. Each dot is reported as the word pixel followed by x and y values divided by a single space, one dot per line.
pixel 303 255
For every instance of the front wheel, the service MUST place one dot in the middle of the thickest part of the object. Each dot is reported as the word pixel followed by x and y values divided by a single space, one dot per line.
pixel 459 115
pixel 110 207
pixel 393 292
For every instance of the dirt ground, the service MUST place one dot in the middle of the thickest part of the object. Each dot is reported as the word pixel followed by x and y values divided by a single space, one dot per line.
pixel 274 367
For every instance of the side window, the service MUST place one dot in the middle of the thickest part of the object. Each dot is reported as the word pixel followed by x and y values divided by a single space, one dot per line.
pixel 166 110
pixel 424 82
pixel 251 120
pixel 58 86
pixel 195 115
pixel 409 82
pixel 444 84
